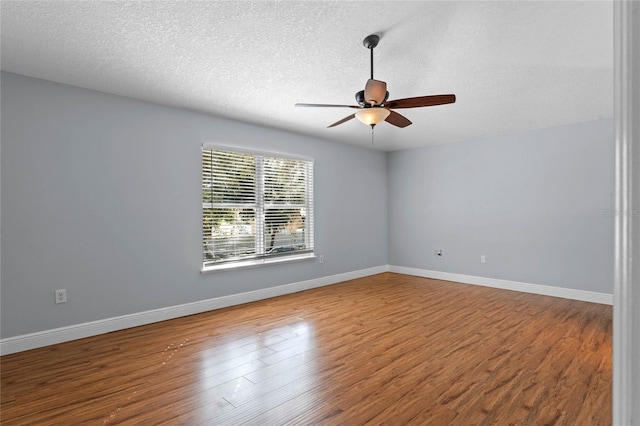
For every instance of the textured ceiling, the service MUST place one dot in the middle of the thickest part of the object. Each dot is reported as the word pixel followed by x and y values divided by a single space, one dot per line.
pixel 514 66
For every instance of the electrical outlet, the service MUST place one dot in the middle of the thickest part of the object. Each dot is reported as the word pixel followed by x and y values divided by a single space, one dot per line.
pixel 321 259
pixel 483 259
pixel 61 296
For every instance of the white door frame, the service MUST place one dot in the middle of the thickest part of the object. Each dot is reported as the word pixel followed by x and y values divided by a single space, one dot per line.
pixel 626 305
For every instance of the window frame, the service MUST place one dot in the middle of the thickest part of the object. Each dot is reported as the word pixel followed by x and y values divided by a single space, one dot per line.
pixel 261 258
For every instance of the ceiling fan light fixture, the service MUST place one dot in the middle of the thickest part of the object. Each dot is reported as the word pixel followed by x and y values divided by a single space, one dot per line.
pixel 372 116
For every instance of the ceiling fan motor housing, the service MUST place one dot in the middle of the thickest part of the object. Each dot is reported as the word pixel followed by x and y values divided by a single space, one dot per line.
pixel 360 98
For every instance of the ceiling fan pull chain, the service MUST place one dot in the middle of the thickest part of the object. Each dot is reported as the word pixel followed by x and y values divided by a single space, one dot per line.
pixel 372 126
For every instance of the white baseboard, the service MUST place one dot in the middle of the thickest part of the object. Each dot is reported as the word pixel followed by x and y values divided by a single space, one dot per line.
pixel 565 293
pixel 64 334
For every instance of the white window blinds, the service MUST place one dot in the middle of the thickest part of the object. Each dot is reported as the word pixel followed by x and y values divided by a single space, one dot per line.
pixel 255 206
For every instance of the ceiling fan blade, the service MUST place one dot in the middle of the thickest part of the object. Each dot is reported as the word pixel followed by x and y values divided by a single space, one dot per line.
pixel 397 119
pixel 342 121
pixel 421 101
pixel 375 91
pixel 327 106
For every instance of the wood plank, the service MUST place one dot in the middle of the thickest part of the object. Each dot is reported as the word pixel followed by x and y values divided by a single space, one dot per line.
pixel 386 349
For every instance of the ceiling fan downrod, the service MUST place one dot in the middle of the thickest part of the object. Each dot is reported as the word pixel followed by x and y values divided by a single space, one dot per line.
pixel 370 42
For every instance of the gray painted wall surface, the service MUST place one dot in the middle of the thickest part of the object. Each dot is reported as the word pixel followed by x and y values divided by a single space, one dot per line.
pixel 535 204
pixel 101 196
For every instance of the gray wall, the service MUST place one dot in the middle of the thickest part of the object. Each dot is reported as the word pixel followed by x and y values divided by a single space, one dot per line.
pixel 535 204
pixel 101 196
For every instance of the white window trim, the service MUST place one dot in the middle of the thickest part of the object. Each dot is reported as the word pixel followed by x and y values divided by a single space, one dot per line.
pixel 244 264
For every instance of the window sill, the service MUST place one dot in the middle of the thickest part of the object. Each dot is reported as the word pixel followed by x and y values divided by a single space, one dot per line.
pixel 257 262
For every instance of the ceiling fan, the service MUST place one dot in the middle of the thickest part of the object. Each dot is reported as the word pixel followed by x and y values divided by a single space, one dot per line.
pixel 373 106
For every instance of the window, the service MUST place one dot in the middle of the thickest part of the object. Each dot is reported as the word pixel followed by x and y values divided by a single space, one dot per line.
pixel 256 208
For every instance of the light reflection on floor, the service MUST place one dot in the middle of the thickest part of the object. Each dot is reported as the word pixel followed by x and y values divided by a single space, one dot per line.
pixel 256 365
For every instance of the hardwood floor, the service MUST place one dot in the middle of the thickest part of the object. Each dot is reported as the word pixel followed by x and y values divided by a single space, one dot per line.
pixel 389 349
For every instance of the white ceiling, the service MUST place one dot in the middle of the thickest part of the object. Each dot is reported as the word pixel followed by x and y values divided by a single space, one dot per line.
pixel 513 65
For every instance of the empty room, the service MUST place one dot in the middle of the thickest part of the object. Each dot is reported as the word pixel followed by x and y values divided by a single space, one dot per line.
pixel 314 212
